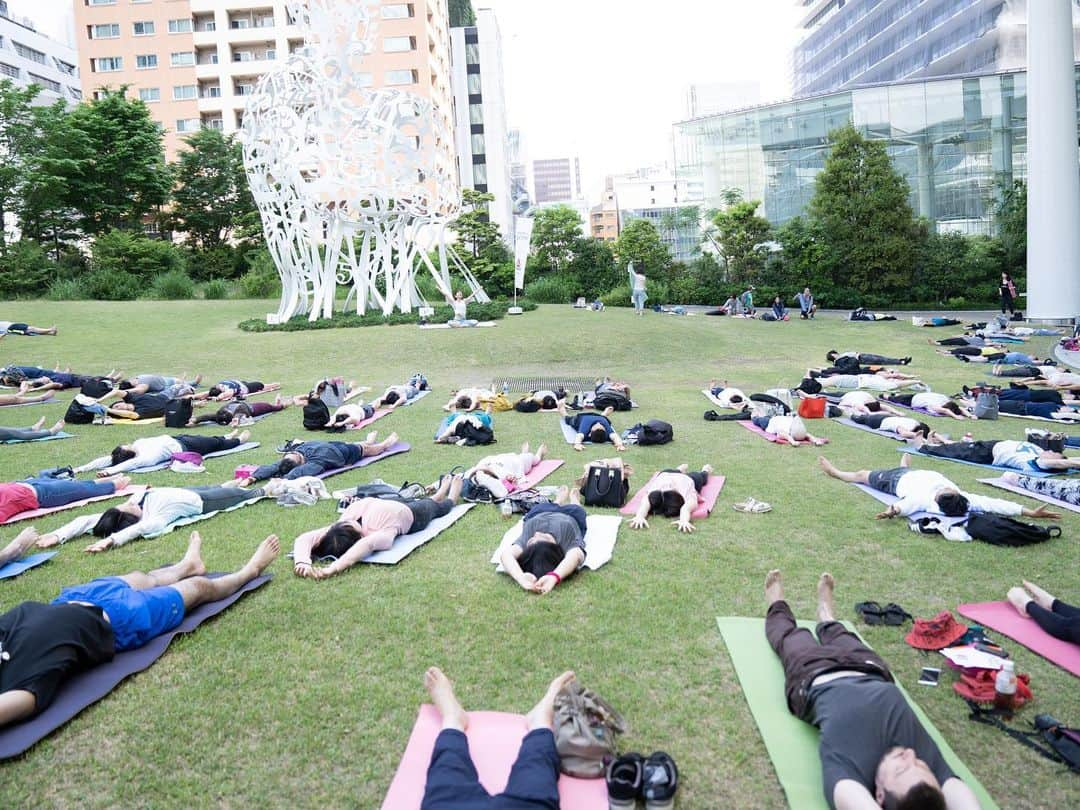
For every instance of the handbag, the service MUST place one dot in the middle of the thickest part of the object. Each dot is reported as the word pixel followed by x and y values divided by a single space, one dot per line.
pixel 986 405
pixel 812 407
pixel 585 729
pixel 605 486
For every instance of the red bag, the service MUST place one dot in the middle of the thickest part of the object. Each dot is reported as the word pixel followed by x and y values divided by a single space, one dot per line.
pixel 812 407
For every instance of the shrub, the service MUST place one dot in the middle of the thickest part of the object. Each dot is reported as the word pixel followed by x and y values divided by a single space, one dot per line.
pixel 490 311
pixel 111 285
pixel 25 270
pixel 261 280
pixel 174 286
pixel 618 296
pixel 222 261
pixel 552 289
pixel 133 254
pixel 66 289
pixel 216 289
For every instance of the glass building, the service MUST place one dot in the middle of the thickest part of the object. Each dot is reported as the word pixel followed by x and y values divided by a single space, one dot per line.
pixel 956 141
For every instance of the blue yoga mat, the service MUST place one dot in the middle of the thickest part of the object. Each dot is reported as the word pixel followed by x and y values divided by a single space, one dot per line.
pixel 61 435
pixel 16 567
pixel 1033 473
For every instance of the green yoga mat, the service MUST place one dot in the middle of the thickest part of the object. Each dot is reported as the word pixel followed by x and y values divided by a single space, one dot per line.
pixel 791 743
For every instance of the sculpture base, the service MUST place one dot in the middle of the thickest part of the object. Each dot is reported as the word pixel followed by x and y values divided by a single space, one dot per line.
pixel 514 311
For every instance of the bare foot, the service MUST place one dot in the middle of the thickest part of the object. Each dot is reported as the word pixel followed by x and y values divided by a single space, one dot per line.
pixel 575 496
pixel 370 438
pixel 562 495
pixel 442 695
pixel 265 554
pixel 57 427
pixel 525 447
pixel 829 468
pixel 277 401
pixel 825 608
pixel 1011 477
pixel 683 468
pixel 119 482
pixel 542 715
pixel 1039 596
pixel 906 460
pixel 193 556
pixel 231 434
pixel 455 488
pixel 391 440
pixel 1019 599
pixel 244 436
pixel 541 451
pixel 37 425
pixel 707 469
pixel 774 586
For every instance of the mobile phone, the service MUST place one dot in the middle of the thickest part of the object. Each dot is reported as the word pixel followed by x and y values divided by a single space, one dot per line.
pixel 929 676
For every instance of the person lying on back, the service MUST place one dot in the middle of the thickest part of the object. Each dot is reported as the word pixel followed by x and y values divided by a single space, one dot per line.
pixel 552 544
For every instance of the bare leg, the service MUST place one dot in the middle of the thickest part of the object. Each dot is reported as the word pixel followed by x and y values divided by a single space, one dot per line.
pixel 15 549
pixel 826 612
pixel 15 705
pixel 371 448
pixel 774 586
pixel 37 425
pixel 860 477
pixel 1039 596
pixel 190 566
pixel 575 496
pixel 442 695
pixel 199 590
pixel 56 428
pixel 542 715
pixel 562 496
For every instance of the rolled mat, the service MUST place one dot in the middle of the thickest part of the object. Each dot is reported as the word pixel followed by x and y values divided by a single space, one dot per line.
pixel 1034 473
pixel 792 743
pixel 88 687
pixel 400 447
pixel 1001 483
pixel 406 544
pixel 33 514
pixel 708 495
pixel 1002 617
pixel 16 567
pixel 494 739
pixel 600 535
pixel 61 435
pixel 770 437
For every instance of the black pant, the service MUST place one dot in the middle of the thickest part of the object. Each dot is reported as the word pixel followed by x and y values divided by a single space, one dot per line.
pixel 215 499
pixel 953 341
pixel 1062 622
pixel 879 360
pixel 871 420
pixel 205 445
pixel 981 452
pixel 425 510
pixel 700 478
pixel 1007 301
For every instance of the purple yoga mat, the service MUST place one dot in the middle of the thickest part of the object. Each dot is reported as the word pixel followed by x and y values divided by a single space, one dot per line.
pixel 89 687
pixel 400 447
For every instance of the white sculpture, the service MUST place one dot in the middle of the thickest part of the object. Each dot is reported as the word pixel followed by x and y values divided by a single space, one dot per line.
pixel 351 183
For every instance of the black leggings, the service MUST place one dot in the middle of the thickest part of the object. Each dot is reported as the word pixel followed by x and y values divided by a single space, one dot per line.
pixel 700 478
pixel 870 420
pixel 205 445
pixel 425 510
pixel 981 452
pixel 215 499
pixel 1062 622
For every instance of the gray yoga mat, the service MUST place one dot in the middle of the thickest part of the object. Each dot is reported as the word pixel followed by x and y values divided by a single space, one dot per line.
pixel 885 433
pixel 91 686
pixel 164 465
pixel 16 567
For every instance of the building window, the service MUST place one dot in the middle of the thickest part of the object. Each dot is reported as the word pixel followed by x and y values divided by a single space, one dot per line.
pixel 481 187
pixel 188 124
pixel 29 53
pixel 101 2
pixel 182 26
pixel 104 31
pixel 146 61
pixel 182 59
pixel 475 99
pixel 398 44
pixel 184 91
pixel 397 11
pixel 474 68
pixel 474 83
pixel 243 88
pixel 75 93
pixel 211 91
pixel 478 145
pixel 143 29
pixel 472 54
pixel 214 123
pixel 471 36
pixel 48 84
pixel 476 129
pixel 64 67
pixel 479 174
pixel 149 94
pixel 107 64
pixel 476 114
pixel 398 77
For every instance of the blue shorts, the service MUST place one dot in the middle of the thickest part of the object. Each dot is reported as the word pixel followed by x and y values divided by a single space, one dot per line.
pixel 136 616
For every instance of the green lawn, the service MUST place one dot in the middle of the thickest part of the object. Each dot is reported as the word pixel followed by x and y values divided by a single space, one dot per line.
pixel 305 692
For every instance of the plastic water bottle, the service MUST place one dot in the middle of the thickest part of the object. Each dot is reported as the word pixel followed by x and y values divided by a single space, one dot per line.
pixel 506 509
pixel 1005 690
pixel 506 387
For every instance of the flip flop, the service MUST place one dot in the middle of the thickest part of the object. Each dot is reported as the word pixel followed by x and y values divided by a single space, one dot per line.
pixel 752 505
pixel 870 612
pixel 894 615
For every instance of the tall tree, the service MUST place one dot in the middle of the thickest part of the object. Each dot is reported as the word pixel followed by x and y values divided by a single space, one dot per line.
pixel 45 209
pixel 739 237
pixel 861 207
pixel 474 227
pixel 640 243
pixel 556 233
pixel 594 268
pixel 212 197
pixel 1010 214
pixel 19 142
pixel 461 13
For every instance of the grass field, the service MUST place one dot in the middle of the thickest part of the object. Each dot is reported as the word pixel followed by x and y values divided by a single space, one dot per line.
pixel 305 692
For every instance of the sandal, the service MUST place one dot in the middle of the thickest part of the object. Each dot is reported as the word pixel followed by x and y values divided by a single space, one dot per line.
pixel 752 505
pixel 870 612
pixel 894 615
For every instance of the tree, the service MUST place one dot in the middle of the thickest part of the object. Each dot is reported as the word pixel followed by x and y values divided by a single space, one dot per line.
pixel 861 206
pixel 803 262
pixel 731 196
pixel 474 227
pixel 212 197
pixel 556 233
pixel 1010 214
pixel 593 268
pixel 740 238
pixel 19 141
pixel 461 13
pixel 640 243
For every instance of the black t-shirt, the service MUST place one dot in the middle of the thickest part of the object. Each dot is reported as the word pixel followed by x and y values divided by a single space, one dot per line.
pixel 860 720
pixel 43 645
pixel 148 405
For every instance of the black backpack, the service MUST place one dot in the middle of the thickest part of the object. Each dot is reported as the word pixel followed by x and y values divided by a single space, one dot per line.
pixel 609 398
pixel 96 387
pixel 999 530
pixel 474 434
pixel 78 414
pixel 655 431
pixel 178 413
pixel 316 414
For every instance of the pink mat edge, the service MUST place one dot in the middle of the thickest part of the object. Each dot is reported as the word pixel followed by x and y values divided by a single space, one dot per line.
pixel 771 437
pixel 375 417
pixel 703 510
pixel 36 513
pixel 1004 619
pixel 542 471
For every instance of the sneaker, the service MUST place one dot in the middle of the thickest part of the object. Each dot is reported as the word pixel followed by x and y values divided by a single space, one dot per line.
pixel 660 780
pixel 624 781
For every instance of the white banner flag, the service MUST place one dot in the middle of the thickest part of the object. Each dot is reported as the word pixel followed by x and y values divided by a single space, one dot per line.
pixel 523 228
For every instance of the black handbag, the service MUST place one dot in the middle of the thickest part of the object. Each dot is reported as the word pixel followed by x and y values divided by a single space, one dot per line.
pixel 605 486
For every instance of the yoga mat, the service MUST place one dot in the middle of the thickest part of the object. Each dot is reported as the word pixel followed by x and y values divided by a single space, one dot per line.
pixel 406 544
pixel 16 567
pixel 61 435
pixel 886 433
pixel 792 743
pixel 708 494
pixel 539 472
pixel 400 447
pixel 494 739
pixel 1033 473
pixel 417 398
pixel 154 420
pixel 1001 483
pixel 569 433
pixel 251 420
pixel 36 513
pixel 889 500
pixel 375 417
pixel 48 401
pixel 448 326
pixel 1002 617
pixel 199 518
pixel 601 532
pixel 88 687
pixel 1041 418
pixel 1067 357
pixel 770 437
pixel 923 411
pixel 164 465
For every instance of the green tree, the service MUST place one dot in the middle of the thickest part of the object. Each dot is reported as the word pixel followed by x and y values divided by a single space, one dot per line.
pixel 1010 214
pixel 556 233
pixel 593 268
pixel 861 206
pixel 19 143
pixel 731 196
pixel 461 13
pixel 474 227
pixel 211 198
pixel 803 259
pixel 640 243
pixel 739 237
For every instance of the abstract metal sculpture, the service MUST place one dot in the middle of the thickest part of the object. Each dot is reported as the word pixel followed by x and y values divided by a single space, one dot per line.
pixel 353 185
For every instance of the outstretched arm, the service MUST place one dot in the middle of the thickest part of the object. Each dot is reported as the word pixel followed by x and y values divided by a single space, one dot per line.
pixel 570 563
pixel 958 796
pixel 684 523
pixel 376 541
pixel 74 528
pixel 302 547
pixel 97 464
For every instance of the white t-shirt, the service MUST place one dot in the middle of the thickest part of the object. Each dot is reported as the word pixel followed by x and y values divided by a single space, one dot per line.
pixel 160 507
pixel 639 282
pixel 1063 378
pixel 731 398
pixel 917 489
pixel 1017 455
pixel 872 382
pixel 852 398
pixel 789 425
pixel 928 399
pixel 460 309
pixel 898 423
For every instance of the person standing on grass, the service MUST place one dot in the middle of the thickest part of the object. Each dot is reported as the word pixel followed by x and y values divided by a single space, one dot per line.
pixel 747 300
pixel 1008 294
pixel 807 307
pixel 637 289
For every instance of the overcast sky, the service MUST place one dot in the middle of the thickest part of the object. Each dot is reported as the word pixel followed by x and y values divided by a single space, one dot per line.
pixel 605 79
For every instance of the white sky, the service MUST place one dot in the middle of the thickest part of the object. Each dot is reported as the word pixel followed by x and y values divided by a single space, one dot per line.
pixel 605 79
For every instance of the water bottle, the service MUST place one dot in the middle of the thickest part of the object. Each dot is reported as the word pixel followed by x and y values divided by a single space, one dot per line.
pixel 506 508
pixel 1005 690
pixel 506 387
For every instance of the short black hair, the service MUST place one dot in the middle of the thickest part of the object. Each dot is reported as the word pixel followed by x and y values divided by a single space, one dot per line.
pixel 120 454
pixel 223 416
pixel 215 391
pixel 526 405
pixel 595 430
pixel 830 355
pixel 924 429
pixel 541 558
pixel 339 538
pixel 923 796
pixel 391 398
pixel 113 520
pixel 952 504
pixel 464 403
pixel 809 386
pixel 287 465
pixel 952 406
pixel 667 503
pixel 126 385
pixel 548 402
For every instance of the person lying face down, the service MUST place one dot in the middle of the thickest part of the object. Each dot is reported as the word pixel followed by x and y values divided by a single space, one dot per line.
pixel 468 399
pixel 937 404
pixel 43 645
pixel 497 472
pixel 552 544
pixel 673 493
pixel 903 426
pixel 153 450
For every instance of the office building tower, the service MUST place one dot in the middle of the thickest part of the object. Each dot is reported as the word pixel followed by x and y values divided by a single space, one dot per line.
pixel 29 57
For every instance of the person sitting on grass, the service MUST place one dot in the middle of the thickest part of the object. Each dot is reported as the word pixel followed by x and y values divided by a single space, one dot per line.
pixel 552 544
pixel 1057 618
pixel 157 449
pixel 874 751
pixel 788 428
pixel 779 311
pixel 499 473
pixel 86 625
pixel 903 426
pixel 35 431
pixel 368 525
pixel 238 412
pixel 452 781
pixel 460 305
pixel 929 491
pixel 315 458
pixel 1023 456
pixel 593 427
pixel 48 492
pixel 937 404
pixel 13 328
pixel 673 493
pixel 863 402
pixel 807 307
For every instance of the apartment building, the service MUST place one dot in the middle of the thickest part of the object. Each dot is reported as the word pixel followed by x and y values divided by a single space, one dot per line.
pixel 195 62
pixel 604 218
pixel 658 195
pixel 29 57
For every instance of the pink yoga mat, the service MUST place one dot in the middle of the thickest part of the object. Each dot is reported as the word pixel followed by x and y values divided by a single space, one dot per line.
pixel 1002 617
pixel 541 471
pixel 769 437
pixel 709 494
pixel 375 417
pixel 36 513
pixel 494 738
